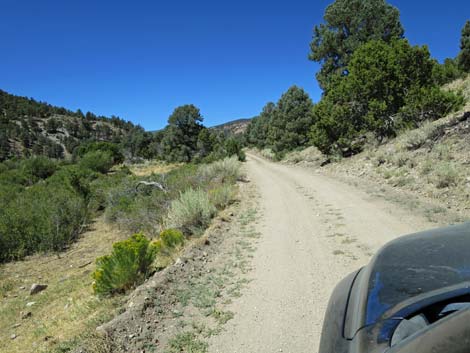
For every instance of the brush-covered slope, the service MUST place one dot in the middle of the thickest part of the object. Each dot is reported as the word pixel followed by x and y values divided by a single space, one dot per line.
pixel 29 127
pixel 432 160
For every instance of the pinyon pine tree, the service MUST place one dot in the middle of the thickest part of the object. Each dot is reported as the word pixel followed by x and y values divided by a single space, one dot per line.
pixel 464 56
pixel 348 25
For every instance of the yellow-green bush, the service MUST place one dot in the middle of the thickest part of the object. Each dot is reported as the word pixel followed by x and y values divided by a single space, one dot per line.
pixel 127 266
pixel 166 246
pixel 171 238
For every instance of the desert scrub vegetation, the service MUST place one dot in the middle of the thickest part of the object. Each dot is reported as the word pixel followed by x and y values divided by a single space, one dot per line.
pixel 167 246
pixel 127 266
pixel 191 212
pixel 416 138
pixel 171 238
pixel 224 171
pixel 142 208
pixel 46 204
pixel 222 195
pixel 268 154
pixel 447 174
pixel 189 198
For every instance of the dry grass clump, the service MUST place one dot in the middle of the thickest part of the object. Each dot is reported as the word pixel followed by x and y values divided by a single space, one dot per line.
pixel 414 139
pixel 153 167
pixel 222 196
pixel 226 170
pixel 268 154
pixel 310 154
pixel 446 174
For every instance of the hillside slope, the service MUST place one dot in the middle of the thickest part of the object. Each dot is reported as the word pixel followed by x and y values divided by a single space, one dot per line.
pixel 431 161
pixel 28 127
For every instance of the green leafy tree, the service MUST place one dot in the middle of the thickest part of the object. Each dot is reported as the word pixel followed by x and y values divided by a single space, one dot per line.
pixel 179 142
pixel 110 147
pixel 464 56
pixel 234 147
pixel 291 120
pixel 348 25
pixel 389 87
pixel 206 142
pixel 446 72
pixel 4 146
pixel 257 130
pixel 97 161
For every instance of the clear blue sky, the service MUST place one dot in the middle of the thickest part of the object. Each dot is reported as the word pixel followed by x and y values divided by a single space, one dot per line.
pixel 141 59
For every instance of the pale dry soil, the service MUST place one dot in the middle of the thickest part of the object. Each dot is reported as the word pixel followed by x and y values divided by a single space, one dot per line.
pixel 67 308
pixel 314 231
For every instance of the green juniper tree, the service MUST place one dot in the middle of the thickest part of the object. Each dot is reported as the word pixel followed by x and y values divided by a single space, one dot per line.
pixel 348 25
pixel 288 128
pixel 179 142
pixel 389 87
pixel 464 56
pixel 257 130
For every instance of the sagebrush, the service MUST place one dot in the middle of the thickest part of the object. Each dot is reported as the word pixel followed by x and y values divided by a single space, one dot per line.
pixel 223 171
pixel 191 212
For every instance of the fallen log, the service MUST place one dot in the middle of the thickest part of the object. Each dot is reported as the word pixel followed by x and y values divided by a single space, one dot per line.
pixel 151 183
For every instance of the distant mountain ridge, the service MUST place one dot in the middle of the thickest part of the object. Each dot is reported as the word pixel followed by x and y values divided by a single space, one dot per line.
pixel 234 127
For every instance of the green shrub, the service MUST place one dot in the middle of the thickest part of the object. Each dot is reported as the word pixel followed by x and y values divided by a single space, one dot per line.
pixel 226 170
pixel 127 266
pixel 97 161
pixel 233 147
pixel 143 209
pixel 44 217
pixel 172 238
pixel 191 212
pixel 427 103
pixel 110 147
pixel 102 186
pixel 39 168
pixel 27 171
pixel 446 174
pixel 136 210
pixel 222 195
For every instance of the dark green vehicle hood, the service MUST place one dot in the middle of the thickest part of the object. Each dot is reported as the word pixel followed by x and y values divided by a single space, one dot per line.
pixel 415 265
pixel 406 274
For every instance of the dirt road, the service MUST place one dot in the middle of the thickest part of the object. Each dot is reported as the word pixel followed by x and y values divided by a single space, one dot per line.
pixel 315 230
